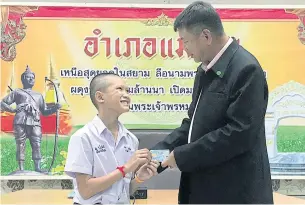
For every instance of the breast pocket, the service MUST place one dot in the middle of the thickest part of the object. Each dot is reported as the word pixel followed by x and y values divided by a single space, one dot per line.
pixel 128 154
pixel 216 97
pixel 212 108
pixel 217 101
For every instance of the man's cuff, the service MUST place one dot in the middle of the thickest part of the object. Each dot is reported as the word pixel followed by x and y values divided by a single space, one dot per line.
pixel 161 169
pixel 180 157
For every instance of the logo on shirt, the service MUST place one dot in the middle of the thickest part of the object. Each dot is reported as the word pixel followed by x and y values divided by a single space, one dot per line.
pixel 100 148
pixel 127 149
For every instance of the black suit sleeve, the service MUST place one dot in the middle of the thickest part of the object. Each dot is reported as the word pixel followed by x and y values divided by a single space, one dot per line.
pixel 180 135
pixel 245 116
pixel 177 138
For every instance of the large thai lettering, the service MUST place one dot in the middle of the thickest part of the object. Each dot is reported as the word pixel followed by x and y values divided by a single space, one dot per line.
pixel 92 43
pixel 136 47
pixel 150 47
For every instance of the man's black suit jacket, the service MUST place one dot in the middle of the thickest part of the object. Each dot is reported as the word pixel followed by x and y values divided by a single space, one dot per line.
pixel 226 161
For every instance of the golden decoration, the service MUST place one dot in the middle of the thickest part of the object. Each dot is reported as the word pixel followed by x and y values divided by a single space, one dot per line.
pixel 12 31
pixel 161 20
pixel 298 12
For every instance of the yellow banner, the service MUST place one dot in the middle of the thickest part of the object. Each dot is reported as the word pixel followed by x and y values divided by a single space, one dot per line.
pixel 71 45
pixel 154 81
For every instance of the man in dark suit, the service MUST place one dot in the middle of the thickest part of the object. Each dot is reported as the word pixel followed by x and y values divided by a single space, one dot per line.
pixel 221 148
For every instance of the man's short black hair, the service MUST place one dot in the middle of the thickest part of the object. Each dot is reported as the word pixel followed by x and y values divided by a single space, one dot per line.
pixel 198 16
pixel 99 83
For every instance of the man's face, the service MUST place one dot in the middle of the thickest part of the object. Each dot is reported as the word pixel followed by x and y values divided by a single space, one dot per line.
pixel 301 30
pixel 29 79
pixel 197 46
pixel 116 96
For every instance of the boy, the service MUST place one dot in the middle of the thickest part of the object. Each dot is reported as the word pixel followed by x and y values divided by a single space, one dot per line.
pixel 103 154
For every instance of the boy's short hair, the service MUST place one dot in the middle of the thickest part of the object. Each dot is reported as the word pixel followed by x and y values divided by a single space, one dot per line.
pixel 99 84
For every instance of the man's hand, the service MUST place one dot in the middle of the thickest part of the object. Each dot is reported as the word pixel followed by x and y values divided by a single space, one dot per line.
pixel 170 161
pixel 148 170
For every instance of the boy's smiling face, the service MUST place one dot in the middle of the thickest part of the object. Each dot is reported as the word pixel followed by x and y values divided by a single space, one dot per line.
pixel 116 97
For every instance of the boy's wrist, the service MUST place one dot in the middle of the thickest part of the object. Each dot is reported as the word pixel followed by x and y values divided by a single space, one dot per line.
pixel 138 180
pixel 126 169
pixel 122 170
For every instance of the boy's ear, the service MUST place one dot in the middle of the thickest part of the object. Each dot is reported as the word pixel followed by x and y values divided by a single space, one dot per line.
pixel 99 97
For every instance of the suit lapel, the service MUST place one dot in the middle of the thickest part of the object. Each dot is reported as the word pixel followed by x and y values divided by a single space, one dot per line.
pixel 198 83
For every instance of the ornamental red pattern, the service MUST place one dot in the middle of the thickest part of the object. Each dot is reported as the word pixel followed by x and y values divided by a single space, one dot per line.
pixel 13 29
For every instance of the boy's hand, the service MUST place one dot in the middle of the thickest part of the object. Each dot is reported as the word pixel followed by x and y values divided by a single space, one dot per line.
pixel 139 158
pixel 148 170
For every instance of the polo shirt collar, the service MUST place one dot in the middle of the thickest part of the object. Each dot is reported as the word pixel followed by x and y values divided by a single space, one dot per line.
pixel 221 65
pixel 100 126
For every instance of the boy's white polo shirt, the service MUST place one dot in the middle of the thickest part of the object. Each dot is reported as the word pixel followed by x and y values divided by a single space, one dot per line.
pixel 93 151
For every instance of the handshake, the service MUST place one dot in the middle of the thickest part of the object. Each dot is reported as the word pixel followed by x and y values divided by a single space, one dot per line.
pixel 145 163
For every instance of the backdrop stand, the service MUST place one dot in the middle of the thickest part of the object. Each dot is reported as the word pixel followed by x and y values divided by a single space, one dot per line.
pixel 27 173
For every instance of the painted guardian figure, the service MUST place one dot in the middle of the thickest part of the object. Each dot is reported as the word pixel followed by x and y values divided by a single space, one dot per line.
pixel 27 125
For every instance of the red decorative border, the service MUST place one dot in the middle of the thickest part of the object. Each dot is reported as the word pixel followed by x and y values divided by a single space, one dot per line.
pixel 144 13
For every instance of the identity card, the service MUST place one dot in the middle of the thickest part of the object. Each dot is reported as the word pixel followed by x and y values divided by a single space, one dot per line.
pixel 159 155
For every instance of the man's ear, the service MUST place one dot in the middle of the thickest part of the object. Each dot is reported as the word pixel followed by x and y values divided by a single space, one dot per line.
pixel 207 35
pixel 99 97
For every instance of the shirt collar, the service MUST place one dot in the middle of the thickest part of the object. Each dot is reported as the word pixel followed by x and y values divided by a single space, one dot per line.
pixel 219 54
pixel 216 65
pixel 100 126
